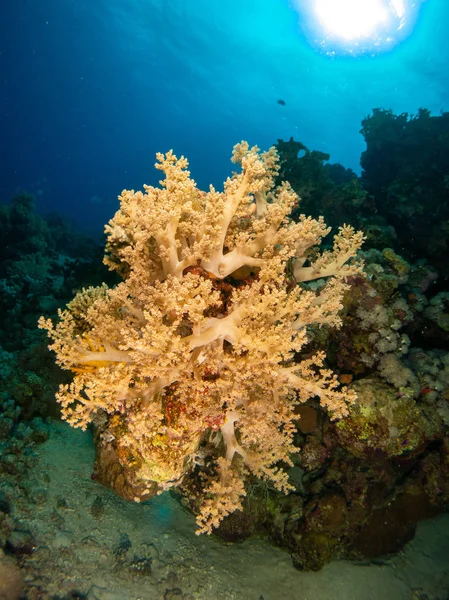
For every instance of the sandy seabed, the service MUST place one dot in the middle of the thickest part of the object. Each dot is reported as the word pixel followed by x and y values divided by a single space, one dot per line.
pixel 91 544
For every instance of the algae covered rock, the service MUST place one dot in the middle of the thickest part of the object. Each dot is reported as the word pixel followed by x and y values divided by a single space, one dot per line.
pixel 385 422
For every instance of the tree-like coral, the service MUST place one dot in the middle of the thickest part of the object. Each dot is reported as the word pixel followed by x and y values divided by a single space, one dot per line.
pixel 200 340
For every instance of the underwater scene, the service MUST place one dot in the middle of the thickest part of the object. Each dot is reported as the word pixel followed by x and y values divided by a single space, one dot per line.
pixel 224 293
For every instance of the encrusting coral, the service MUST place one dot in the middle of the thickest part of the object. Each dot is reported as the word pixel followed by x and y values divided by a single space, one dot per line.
pixel 200 340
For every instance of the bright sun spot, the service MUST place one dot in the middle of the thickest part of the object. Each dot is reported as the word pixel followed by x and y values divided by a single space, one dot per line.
pixel 357 27
pixel 357 19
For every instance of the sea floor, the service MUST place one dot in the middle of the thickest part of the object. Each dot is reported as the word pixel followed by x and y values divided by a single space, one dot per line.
pixel 91 544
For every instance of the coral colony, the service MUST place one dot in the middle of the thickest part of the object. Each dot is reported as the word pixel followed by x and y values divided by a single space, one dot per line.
pixel 198 346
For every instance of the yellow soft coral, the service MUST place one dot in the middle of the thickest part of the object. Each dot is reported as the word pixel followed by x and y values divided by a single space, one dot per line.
pixel 199 339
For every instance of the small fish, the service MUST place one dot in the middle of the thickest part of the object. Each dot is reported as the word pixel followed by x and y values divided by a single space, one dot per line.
pixel 281 102
pixel 426 390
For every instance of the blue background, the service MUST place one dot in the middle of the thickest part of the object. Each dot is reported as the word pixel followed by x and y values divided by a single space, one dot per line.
pixel 90 90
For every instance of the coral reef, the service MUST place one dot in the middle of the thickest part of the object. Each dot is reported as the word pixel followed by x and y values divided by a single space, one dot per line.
pixel 199 345
pixel 326 189
pixel 41 261
pixel 405 173
pixel 206 342
pixel 401 199
pixel 363 482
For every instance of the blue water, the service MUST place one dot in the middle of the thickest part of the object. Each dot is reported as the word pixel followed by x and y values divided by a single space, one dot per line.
pixel 90 90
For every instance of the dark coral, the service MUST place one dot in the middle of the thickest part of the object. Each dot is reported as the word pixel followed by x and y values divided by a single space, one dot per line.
pixel 327 190
pixel 406 175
